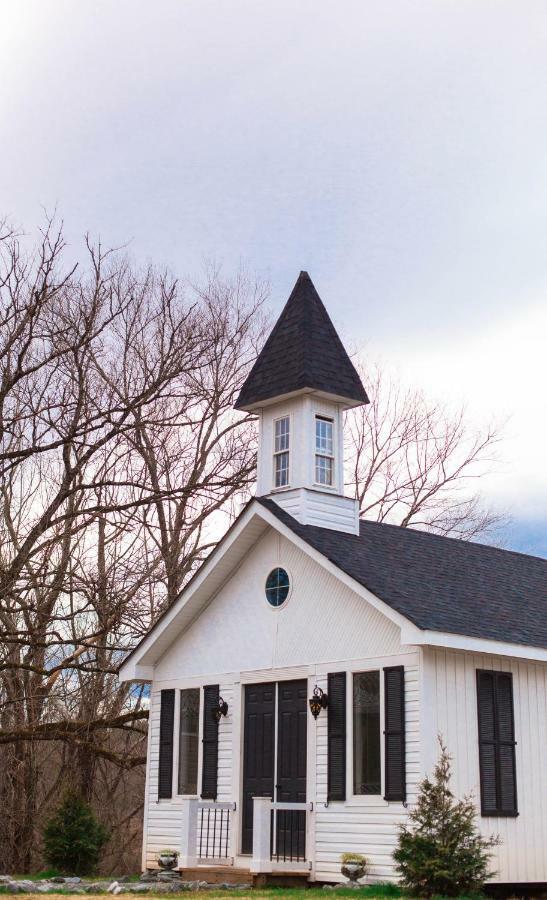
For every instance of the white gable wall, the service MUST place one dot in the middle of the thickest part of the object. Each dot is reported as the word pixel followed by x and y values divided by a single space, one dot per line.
pixel 322 621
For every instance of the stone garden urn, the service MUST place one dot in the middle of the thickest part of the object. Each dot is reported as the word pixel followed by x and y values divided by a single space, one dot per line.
pixel 353 867
pixel 167 859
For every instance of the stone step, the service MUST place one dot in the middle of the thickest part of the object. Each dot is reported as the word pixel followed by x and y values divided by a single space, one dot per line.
pixel 217 875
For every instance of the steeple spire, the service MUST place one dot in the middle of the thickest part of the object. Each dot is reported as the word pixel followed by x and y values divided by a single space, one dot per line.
pixel 303 353
pixel 299 387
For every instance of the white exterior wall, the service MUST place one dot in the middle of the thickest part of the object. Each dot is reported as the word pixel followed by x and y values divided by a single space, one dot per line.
pixel 162 818
pixel 367 825
pixel 449 690
pixel 324 627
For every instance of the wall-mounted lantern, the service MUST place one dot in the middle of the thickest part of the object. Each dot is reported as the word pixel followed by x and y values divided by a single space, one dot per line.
pixel 318 701
pixel 220 710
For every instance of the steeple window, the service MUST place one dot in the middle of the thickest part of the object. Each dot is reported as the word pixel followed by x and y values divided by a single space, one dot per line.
pixel 282 428
pixel 324 451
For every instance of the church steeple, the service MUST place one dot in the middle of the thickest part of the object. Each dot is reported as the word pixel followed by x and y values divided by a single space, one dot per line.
pixel 299 386
pixel 303 352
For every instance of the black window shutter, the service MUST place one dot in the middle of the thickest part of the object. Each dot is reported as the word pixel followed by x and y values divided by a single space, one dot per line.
pixel 336 778
pixel 394 733
pixel 497 763
pixel 167 720
pixel 209 772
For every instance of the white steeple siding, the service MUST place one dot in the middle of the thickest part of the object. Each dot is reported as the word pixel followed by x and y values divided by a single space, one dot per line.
pixel 304 497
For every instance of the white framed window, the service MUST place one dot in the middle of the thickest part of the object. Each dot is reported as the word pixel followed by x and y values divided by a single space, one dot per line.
pixel 324 451
pixel 366 730
pixel 282 436
pixel 188 741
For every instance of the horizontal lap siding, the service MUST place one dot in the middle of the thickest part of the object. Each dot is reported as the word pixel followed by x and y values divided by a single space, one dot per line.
pixel 521 856
pixel 162 825
pixel 351 826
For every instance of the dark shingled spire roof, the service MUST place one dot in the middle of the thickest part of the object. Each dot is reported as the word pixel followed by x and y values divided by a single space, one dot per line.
pixel 302 351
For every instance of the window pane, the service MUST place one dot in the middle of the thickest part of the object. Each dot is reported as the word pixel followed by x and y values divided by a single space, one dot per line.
pixel 366 733
pixel 281 434
pixel 323 436
pixel 323 470
pixel 188 741
pixel 277 587
pixel 281 469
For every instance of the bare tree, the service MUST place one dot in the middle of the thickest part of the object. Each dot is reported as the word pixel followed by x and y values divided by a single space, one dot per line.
pixel 118 446
pixel 413 462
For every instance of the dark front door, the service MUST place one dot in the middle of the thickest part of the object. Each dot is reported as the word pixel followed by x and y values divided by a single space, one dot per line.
pixel 259 743
pixel 258 753
pixel 292 705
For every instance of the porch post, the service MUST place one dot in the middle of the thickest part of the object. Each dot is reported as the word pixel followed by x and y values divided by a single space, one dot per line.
pixel 188 834
pixel 262 823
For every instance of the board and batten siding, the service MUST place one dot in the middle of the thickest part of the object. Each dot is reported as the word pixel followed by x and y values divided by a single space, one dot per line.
pixel 163 817
pixel 367 825
pixel 450 692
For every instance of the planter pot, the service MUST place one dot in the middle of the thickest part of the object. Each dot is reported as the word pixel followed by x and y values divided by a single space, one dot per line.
pixel 167 860
pixel 353 870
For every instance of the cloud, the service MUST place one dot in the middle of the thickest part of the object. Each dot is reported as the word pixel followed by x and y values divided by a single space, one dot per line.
pixel 499 372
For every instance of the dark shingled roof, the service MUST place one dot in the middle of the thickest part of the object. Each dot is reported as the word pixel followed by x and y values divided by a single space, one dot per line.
pixel 440 583
pixel 302 351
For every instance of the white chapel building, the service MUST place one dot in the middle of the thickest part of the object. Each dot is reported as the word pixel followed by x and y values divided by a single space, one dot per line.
pixel 300 681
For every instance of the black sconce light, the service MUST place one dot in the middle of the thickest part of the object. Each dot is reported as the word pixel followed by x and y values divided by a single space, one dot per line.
pixel 318 701
pixel 220 710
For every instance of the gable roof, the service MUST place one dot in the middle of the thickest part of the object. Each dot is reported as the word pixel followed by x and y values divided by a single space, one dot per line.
pixel 439 583
pixel 436 585
pixel 302 351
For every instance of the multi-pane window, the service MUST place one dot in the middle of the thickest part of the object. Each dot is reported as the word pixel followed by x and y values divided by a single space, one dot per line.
pixel 188 741
pixel 324 451
pixel 281 451
pixel 367 765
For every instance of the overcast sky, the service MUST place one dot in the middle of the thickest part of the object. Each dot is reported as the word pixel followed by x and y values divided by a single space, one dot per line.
pixel 397 151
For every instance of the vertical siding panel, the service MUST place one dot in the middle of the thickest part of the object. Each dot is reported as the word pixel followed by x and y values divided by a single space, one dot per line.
pixel 521 856
pixel 534 847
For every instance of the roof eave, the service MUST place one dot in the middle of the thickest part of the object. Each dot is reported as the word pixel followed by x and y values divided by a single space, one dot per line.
pixel 452 641
pixel 346 402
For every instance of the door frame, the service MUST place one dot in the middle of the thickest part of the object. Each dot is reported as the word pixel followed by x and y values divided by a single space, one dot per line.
pixel 293 673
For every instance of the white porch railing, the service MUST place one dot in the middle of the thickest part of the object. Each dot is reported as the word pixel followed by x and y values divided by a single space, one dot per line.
pixel 206 833
pixel 279 835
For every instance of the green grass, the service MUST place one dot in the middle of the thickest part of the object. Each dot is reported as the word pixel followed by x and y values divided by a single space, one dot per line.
pixel 379 891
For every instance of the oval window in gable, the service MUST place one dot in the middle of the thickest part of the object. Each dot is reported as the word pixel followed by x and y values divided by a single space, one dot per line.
pixel 277 587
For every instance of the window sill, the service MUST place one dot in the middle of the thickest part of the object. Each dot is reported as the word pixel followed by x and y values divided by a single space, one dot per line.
pixel 370 800
pixel 499 815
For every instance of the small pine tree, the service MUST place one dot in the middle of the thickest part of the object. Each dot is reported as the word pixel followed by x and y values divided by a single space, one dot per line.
pixel 73 837
pixel 441 850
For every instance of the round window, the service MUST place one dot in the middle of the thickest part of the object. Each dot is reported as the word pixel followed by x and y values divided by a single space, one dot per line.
pixel 277 587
